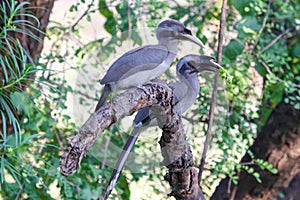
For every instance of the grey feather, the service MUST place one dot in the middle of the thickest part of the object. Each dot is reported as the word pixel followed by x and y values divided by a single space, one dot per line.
pixel 142 117
pixel 139 59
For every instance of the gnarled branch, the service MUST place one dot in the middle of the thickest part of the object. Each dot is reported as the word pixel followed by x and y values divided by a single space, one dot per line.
pixel 176 151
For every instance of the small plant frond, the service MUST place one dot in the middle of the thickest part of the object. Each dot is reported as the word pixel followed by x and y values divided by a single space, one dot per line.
pixel 13 12
pixel 3 135
pixel 17 68
pixel 13 171
pixel 14 73
pixel 19 6
pixel 3 63
pixel 9 117
pixel 29 16
pixel 2 169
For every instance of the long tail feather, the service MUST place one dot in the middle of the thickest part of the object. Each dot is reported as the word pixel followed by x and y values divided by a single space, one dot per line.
pixel 104 95
pixel 121 161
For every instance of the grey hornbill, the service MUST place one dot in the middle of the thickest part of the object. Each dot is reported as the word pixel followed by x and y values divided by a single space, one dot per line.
pixel 146 63
pixel 185 94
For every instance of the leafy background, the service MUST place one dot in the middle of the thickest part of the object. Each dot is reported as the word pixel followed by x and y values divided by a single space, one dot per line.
pixel 261 53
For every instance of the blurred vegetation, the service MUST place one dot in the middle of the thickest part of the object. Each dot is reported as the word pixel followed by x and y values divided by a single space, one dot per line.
pixel 262 53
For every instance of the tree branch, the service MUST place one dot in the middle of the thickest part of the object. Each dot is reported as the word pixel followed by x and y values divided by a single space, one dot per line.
pixel 177 154
pixel 276 39
pixel 86 12
pixel 215 89
pixel 260 60
pixel 132 100
pixel 178 158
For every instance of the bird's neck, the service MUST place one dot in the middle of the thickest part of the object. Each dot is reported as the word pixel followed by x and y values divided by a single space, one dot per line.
pixel 189 96
pixel 191 80
pixel 170 43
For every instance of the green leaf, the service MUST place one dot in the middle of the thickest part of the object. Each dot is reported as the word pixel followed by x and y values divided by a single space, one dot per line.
pixel 248 26
pixel 27 139
pixel 250 170
pixel 233 49
pixel 111 23
pixel 273 171
pixel 243 7
pixel 2 169
pixel 257 177
pixel 296 51
pixel 248 30
pixel 235 180
pixel 88 18
pixel 103 9
pixel 251 23
pixel 20 101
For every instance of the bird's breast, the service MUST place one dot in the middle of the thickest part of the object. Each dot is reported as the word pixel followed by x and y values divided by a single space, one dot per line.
pixel 144 76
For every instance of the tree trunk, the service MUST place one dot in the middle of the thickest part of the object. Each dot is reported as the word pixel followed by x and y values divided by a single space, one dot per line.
pixel 292 192
pixel 278 143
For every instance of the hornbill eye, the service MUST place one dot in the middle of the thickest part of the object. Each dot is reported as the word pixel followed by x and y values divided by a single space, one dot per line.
pixel 187 31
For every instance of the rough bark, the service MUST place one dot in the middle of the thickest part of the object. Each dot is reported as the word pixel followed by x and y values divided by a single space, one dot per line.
pixel 292 192
pixel 176 151
pixel 278 143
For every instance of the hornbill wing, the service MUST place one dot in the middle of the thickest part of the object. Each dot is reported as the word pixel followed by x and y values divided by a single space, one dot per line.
pixel 139 59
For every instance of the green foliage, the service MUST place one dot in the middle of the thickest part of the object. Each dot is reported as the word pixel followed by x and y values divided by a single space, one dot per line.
pixel 264 165
pixel 111 23
pixel 9 11
pixel 15 63
pixel 16 68
pixel 256 39
pixel 257 24
pixel 233 49
pixel 257 46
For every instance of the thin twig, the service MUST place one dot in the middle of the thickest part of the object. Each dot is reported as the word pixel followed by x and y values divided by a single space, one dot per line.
pixel 83 15
pixel 229 185
pixel 215 88
pixel 270 72
pixel 61 146
pixel 86 95
pixel 192 121
pixel 263 26
pixel 24 37
pixel 20 191
pixel 248 163
pixel 275 40
pixel 234 190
